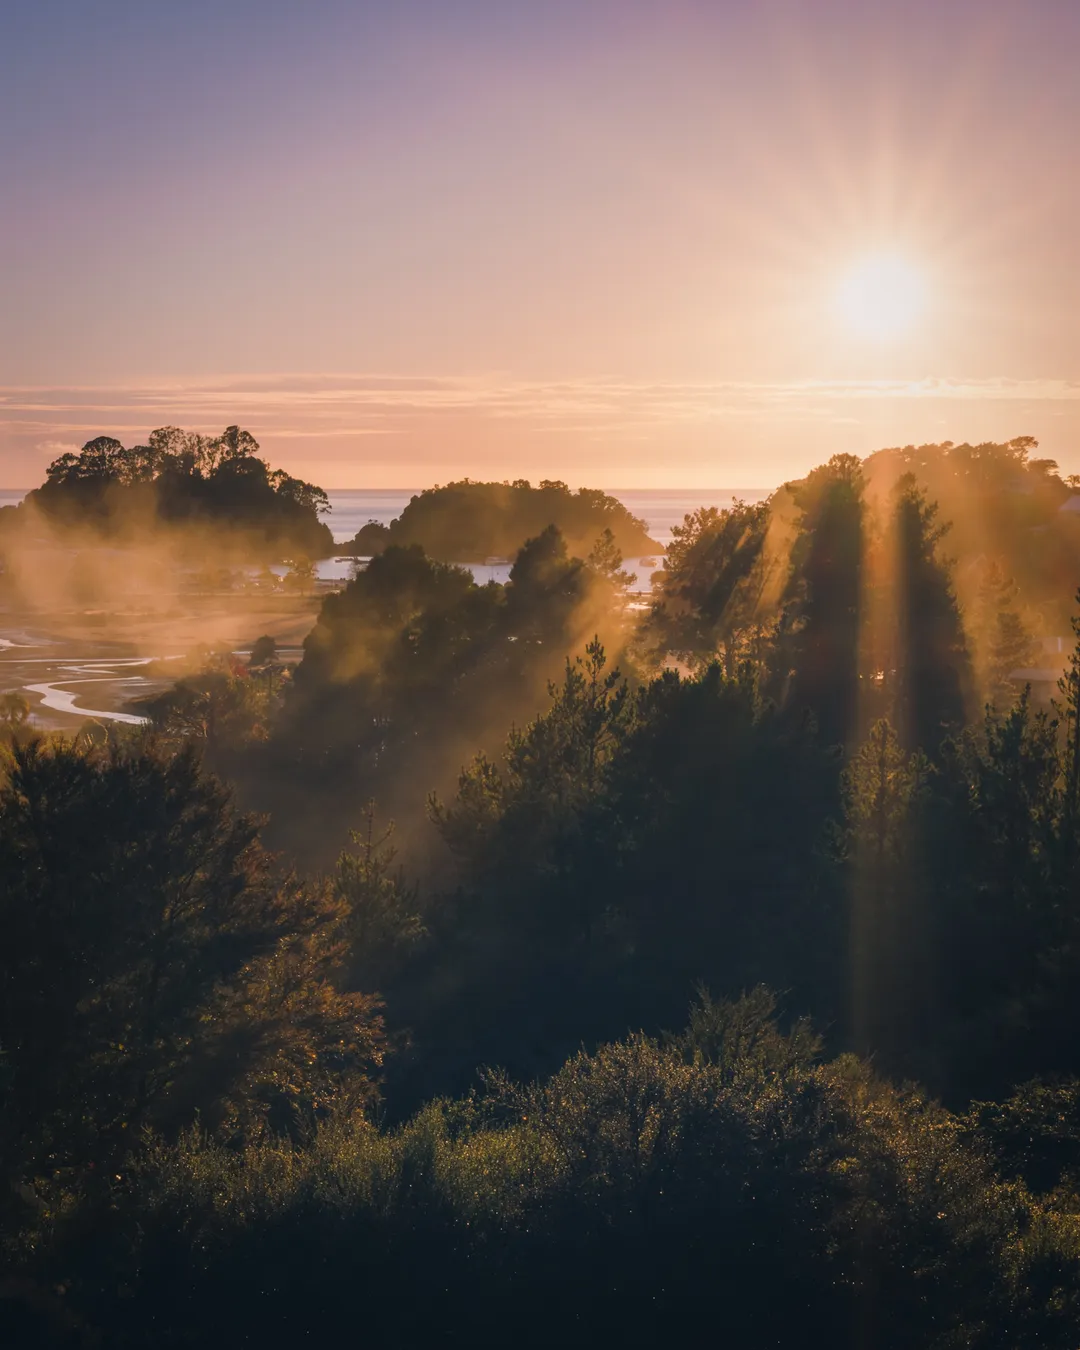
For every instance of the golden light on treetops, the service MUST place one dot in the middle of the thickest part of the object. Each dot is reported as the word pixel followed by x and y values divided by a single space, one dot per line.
pixel 882 296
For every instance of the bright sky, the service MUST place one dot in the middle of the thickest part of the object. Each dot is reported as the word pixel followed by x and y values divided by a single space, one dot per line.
pixel 621 242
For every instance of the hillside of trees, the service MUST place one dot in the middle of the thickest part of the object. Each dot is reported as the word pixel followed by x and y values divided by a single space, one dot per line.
pixel 1002 505
pixel 180 481
pixel 467 522
pixel 525 967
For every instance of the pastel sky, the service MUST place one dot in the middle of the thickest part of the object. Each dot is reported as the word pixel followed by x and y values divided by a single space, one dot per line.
pixel 599 240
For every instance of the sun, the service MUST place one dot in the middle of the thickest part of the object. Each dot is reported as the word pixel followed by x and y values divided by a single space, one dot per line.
pixel 881 297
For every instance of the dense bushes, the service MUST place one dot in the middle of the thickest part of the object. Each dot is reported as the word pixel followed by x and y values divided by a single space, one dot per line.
pixel 157 968
pixel 724 1178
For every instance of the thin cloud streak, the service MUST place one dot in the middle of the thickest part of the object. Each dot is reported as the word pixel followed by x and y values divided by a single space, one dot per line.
pixel 335 395
pixel 497 426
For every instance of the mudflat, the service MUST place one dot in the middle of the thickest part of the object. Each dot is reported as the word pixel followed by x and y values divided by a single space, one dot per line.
pixel 75 664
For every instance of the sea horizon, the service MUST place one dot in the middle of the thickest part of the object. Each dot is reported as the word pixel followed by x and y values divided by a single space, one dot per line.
pixel 660 508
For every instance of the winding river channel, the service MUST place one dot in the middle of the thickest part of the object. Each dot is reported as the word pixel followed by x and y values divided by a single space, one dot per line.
pixel 64 700
pixel 77 685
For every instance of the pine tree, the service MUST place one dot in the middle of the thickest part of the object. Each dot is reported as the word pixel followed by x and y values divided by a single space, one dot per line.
pixel 823 613
pixel 526 826
pixel 884 786
pixel 1069 712
pixel 933 680
pixel 1012 648
pixel 383 923
pixel 606 560
pixel 1003 641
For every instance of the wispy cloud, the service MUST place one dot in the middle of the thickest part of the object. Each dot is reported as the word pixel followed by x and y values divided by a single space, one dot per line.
pixel 335 404
pixel 373 429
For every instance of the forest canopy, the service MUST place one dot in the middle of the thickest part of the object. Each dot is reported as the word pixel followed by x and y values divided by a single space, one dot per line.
pixel 469 522
pixel 528 963
pixel 178 480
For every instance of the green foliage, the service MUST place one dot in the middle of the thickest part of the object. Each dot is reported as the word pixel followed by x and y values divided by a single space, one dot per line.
pixel 383 923
pixel 629 844
pixel 606 559
pixel 882 784
pixel 555 764
pixel 884 791
pixel 810 810
pixel 933 668
pixel 469 522
pixel 1012 648
pixel 412 668
pixel 155 965
pixel 820 636
pixel 743 1036
pixel 406 654
pixel 964 934
pixel 1003 640
pixel 221 706
pixel 182 478
pixel 1069 712
pixel 1035 1135
pixel 263 652
pixel 790 1201
pixel 533 820
pixel 1003 504
pixel 14 710
pixel 708 598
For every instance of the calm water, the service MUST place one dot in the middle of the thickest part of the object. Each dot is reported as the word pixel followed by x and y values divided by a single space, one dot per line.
pixel 352 508
pixel 660 508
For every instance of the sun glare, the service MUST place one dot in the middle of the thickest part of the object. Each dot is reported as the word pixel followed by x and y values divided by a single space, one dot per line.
pixel 881 297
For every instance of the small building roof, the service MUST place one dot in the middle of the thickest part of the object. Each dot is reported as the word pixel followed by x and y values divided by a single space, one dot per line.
pixel 1072 506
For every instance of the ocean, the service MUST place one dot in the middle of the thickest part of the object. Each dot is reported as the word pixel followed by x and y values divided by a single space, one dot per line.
pixel 660 508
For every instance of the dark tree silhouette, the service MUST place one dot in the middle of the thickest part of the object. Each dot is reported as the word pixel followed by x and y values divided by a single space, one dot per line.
pixel 824 610
pixel 183 479
pixel 933 670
